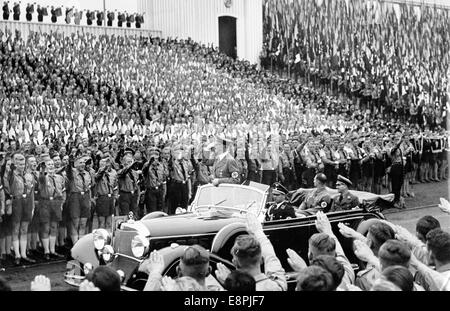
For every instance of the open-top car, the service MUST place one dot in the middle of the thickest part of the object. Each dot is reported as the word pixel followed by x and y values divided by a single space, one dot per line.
pixel 215 218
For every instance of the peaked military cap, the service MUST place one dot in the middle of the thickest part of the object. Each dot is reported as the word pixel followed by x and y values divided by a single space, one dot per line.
pixel 278 188
pixel 344 180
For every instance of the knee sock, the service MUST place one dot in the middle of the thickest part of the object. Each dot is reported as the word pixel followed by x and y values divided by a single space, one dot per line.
pixel 45 244
pixel 15 244
pixel 23 246
pixel 52 244
pixel 8 243
pixel 61 236
pixel 2 246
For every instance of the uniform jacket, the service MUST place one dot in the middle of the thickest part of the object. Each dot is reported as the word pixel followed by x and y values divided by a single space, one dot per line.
pixel 226 170
pixel 128 180
pixel 318 199
pixel 52 187
pixel 343 203
pixel 243 167
pixel 281 211
pixel 78 181
pixel 106 182
pixel 19 185
pixel 154 175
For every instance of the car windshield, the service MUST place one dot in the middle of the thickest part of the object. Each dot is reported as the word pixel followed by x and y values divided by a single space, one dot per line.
pixel 236 197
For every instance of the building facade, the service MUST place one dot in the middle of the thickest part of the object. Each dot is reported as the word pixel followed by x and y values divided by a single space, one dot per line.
pixel 235 26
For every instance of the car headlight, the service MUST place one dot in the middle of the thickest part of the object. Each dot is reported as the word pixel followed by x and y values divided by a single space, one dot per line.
pixel 139 245
pixel 108 254
pixel 101 238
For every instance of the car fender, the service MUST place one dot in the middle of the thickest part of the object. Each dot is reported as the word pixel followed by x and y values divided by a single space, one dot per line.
pixel 84 250
pixel 154 215
pixel 224 234
pixel 364 225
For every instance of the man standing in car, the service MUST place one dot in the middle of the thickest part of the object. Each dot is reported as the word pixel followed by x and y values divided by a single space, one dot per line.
pixel 225 169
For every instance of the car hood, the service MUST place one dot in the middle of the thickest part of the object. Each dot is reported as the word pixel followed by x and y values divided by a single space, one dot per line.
pixel 185 224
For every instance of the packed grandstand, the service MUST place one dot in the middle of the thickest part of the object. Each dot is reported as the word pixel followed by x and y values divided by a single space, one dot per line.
pixel 342 87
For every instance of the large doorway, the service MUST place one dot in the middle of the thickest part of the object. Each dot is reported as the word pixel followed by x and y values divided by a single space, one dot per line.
pixel 227 36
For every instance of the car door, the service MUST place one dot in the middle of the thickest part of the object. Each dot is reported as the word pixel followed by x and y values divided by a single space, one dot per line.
pixel 289 233
pixel 295 234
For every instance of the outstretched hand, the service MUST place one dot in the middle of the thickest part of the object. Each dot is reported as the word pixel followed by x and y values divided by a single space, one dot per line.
pixel 363 251
pixel 350 233
pixel 154 264
pixel 445 206
pixel 169 284
pixel 323 224
pixel 222 272
pixel 87 286
pixel 253 224
pixel 295 260
pixel 41 283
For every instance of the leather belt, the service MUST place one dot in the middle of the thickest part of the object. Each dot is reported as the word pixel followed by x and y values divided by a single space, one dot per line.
pixel 109 195
pixel 153 188
pixel 51 199
pixel 82 193
pixel 21 196
pixel 179 182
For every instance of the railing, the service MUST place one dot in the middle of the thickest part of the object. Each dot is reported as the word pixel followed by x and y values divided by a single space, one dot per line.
pixel 26 27
pixel 419 3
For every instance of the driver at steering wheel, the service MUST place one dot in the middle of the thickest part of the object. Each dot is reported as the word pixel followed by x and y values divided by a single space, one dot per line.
pixel 280 209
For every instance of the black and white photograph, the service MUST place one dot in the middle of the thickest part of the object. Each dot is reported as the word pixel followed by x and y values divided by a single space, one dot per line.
pixel 232 146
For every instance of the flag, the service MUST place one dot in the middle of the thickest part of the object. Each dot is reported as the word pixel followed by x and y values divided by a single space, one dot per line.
pixel 69 12
pixel 30 8
pixel 58 12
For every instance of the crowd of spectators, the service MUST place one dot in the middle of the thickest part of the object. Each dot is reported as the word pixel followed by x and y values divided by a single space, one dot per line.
pixel 387 56
pixel 393 259
pixel 131 101
pixel 100 111
pixel 70 15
